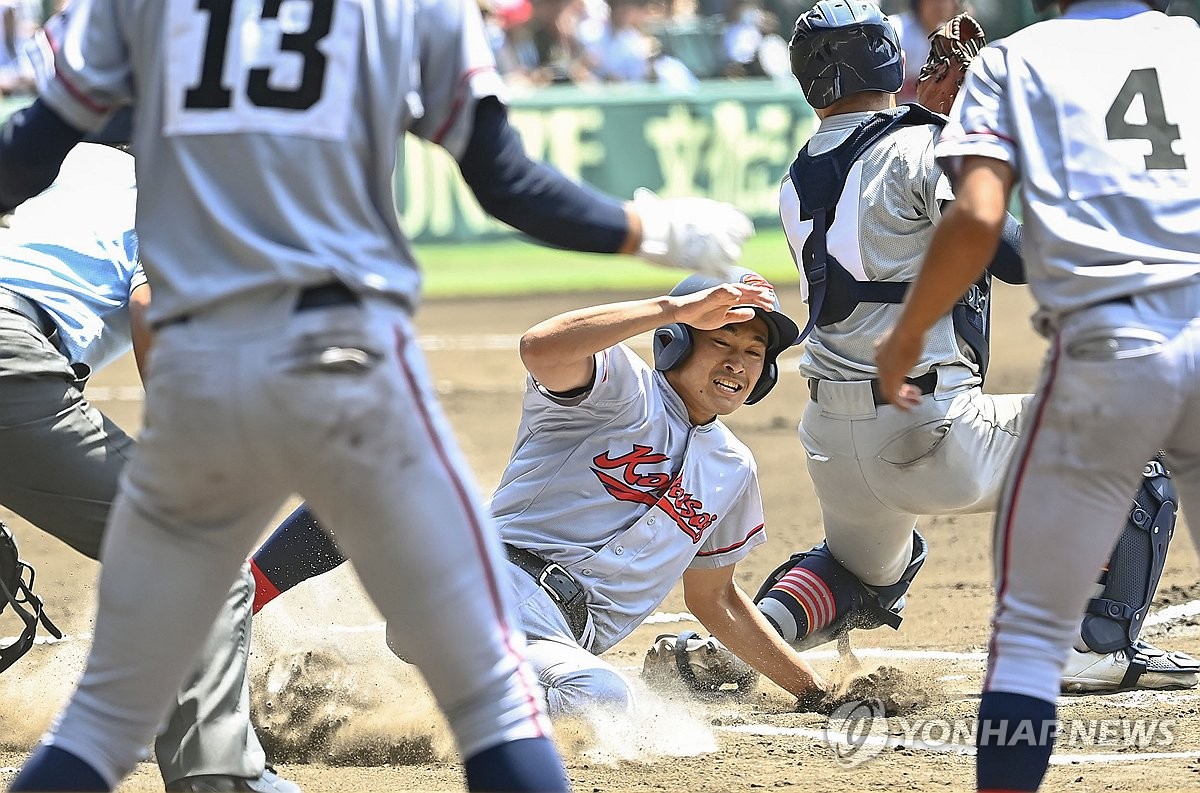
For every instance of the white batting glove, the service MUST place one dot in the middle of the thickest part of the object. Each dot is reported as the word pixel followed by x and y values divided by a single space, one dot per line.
pixel 691 233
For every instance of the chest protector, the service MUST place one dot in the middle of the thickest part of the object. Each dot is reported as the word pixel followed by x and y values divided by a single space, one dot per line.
pixel 833 293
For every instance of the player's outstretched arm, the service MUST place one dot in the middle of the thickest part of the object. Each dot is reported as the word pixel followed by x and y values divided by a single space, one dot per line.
pixel 962 245
pixel 558 351
pixel 730 615
pixel 690 233
pixel 33 144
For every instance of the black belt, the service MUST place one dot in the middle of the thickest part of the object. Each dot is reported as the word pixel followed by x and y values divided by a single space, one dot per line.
pixel 19 304
pixel 334 293
pixel 926 383
pixel 556 582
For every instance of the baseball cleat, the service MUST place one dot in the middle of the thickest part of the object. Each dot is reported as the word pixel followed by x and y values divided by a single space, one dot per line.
pixel 1141 666
pixel 269 782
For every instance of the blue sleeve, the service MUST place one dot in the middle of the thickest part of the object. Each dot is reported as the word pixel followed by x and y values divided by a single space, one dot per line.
pixel 533 197
pixel 33 144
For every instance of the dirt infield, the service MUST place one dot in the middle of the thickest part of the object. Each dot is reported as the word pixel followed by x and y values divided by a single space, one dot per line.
pixel 341 714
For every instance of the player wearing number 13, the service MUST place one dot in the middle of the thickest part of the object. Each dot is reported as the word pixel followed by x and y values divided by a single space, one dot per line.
pixel 285 361
pixel 1104 138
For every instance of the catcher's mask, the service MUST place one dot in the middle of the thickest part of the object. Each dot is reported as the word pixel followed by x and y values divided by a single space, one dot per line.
pixel 673 343
pixel 16 590
pixel 842 47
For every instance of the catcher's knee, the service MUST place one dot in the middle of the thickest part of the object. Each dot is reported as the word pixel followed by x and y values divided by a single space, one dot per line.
pixel 812 599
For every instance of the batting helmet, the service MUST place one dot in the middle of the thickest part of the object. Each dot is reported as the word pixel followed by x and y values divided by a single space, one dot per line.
pixel 841 47
pixel 673 343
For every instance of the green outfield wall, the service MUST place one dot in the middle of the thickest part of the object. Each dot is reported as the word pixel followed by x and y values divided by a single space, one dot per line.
pixel 730 141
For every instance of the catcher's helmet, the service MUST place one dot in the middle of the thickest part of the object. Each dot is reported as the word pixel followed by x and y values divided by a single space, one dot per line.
pixel 673 343
pixel 841 47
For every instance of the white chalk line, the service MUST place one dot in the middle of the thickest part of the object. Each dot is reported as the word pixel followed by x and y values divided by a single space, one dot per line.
pixel 1165 616
pixel 890 742
pixel 67 637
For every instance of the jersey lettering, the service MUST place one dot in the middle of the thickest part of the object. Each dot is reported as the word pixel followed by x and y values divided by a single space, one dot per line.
pixel 653 489
pixel 641 455
pixel 687 511
pixel 283 67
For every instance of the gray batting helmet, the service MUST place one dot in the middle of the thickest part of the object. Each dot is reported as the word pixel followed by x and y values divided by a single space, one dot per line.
pixel 841 47
pixel 673 343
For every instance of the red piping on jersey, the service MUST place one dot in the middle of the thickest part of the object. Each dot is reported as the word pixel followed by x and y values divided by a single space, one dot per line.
pixel 464 501
pixel 460 99
pixel 1011 507
pixel 736 545
pixel 80 96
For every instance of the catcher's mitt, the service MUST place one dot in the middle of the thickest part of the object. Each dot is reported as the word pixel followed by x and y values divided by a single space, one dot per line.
pixel 952 47
pixel 17 592
pixel 703 665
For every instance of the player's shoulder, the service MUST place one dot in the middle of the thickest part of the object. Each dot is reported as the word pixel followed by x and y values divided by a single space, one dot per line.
pixel 733 448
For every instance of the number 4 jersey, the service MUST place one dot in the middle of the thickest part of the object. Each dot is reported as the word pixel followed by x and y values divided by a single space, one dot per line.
pixel 1097 113
pixel 225 89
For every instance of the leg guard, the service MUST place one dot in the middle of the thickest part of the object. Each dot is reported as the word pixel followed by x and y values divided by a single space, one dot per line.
pixel 812 599
pixel 1114 618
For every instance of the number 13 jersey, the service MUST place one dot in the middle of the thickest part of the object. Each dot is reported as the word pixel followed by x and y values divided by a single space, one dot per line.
pixel 1111 146
pixel 265 131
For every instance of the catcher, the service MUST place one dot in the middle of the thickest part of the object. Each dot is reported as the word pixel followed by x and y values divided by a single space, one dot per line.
pixel 859 206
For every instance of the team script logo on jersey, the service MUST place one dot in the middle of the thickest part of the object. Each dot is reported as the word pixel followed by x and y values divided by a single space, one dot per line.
pixel 652 488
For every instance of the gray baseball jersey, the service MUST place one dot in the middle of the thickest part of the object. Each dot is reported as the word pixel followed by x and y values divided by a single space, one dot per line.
pixel 621 489
pixel 1107 164
pixel 882 228
pixel 213 108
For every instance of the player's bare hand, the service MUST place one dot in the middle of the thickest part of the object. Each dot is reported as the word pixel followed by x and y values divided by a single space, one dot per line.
pixel 691 233
pixel 714 308
pixel 895 356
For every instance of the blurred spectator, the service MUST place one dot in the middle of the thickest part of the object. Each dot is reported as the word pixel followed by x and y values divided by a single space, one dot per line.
pixel 18 23
pixel 625 51
pixel 914 26
pixel 752 44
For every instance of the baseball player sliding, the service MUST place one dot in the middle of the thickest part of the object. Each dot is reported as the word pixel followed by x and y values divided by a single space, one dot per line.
pixel 860 206
pixel 624 480
pixel 265 136
pixel 1104 138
